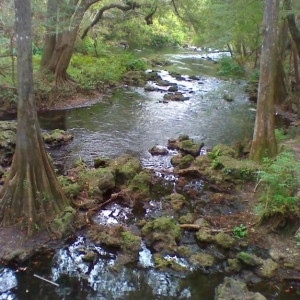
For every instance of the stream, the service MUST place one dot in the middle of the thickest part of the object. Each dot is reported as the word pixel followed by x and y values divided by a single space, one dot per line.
pixel 132 120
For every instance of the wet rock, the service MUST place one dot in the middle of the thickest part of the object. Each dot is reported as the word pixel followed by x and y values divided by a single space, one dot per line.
pixel 234 265
pixel 185 145
pixel 228 97
pixel 250 259
pixel 174 96
pixel 158 150
pixel 118 237
pixel 162 231
pixel 201 223
pixel 186 161
pixel 152 76
pixel 183 251
pixel 69 187
pixel 204 235
pixel 194 77
pixel 102 178
pixel 63 225
pixel 135 78
pixel 159 61
pixel 224 240
pixel 167 262
pixel 89 256
pixel 268 269
pixel 235 290
pixel 177 201
pixel 126 168
pixel 57 137
pixel 163 83
pixel 176 159
pixel 186 219
pixel 173 88
pixel 139 186
pixel 150 88
pixel 101 162
pixel 202 260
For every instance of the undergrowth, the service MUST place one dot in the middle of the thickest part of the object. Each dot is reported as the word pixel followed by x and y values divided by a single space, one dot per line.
pixel 279 182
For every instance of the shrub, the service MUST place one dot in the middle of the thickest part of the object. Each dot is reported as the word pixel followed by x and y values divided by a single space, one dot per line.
pixel 279 182
pixel 229 68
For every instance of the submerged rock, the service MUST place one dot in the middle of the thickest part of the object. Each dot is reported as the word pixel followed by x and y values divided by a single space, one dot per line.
pixel 235 290
pixel 202 260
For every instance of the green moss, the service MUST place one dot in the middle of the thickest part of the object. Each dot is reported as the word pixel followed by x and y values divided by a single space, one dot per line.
pixel 165 225
pixel 102 178
pixel 186 161
pixel 68 186
pixel 249 259
pixel 129 241
pixel 224 240
pixel 177 201
pixel 140 184
pixel 163 263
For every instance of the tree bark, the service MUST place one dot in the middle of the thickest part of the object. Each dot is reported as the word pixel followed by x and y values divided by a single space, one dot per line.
pixel 31 196
pixel 264 141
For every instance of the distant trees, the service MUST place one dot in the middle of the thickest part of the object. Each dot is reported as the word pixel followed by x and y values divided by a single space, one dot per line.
pixel 31 195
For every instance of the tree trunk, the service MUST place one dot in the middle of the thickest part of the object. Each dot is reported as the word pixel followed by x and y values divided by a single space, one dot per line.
pixel 61 56
pixel 31 195
pixel 264 141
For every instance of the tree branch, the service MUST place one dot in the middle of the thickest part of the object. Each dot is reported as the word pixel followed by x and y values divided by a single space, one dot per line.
pixel 129 6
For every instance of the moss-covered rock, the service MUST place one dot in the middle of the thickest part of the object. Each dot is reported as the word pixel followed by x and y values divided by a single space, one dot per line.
pixel 204 235
pixel 176 159
pixel 235 290
pixel 69 187
pixel 202 260
pixel 139 186
pixel 177 201
pixel 7 141
pixel 102 178
pixel 63 225
pixel 234 265
pixel 126 168
pixel 186 161
pixel 267 269
pixel 57 137
pixel 118 237
pixel 187 219
pixel 162 233
pixel 224 240
pixel 190 147
pixel 101 162
pixel 165 263
pixel 249 259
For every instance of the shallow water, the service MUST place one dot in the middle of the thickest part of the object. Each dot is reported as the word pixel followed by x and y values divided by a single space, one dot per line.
pixel 132 121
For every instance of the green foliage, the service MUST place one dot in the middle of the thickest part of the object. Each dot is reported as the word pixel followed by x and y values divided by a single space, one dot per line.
pixel 280 180
pixel 240 231
pixel 230 68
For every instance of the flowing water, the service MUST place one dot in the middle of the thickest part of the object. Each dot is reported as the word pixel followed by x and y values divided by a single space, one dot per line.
pixel 131 121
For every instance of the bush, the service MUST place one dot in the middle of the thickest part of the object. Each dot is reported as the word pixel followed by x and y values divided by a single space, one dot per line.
pixel 230 68
pixel 280 181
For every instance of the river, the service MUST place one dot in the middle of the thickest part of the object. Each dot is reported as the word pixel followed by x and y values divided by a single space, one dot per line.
pixel 132 120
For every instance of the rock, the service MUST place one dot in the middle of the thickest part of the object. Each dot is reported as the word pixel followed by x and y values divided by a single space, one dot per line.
pixel 234 265
pixel 63 225
pixel 158 150
pixel 224 240
pixel 186 219
pixel 152 76
pixel 175 96
pixel 176 159
pixel 235 290
pixel 101 162
pixel 138 188
pixel 177 201
pixel 69 187
pixel 7 141
pixel 190 147
pixel 173 88
pixel 228 97
pixel 163 83
pixel 89 256
pixel 57 137
pixel 167 262
pixel 162 233
pixel 202 260
pixel 268 269
pixel 150 88
pixel 102 178
pixel 201 222
pixel 186 161
pixel 126 168
pixel 250 259
pixel 204 235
